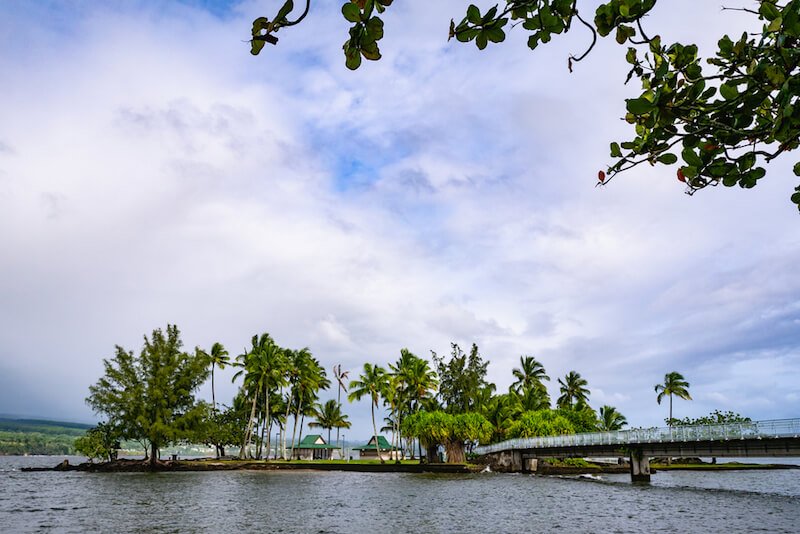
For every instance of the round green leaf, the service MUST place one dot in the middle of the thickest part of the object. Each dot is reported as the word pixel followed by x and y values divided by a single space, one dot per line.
pixel 351 12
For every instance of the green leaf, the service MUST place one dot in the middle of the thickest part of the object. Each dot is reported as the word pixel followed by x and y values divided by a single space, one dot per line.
pixel 256 46
pixel 667 159
pixel 728 92
pixel 482 40
pixel 473 14
pixel 615 150
pixel 639 106
pixel 496 35
pixel 691 158
pixel 769 11
pixel 797 169
pixel 285 10
pixel 351 13
pixel 375 28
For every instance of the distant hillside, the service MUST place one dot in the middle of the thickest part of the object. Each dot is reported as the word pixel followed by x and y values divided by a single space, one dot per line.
pixel 38 436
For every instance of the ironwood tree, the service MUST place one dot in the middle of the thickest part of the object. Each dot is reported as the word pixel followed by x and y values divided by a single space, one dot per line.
pixel 151 396
pixel 720 121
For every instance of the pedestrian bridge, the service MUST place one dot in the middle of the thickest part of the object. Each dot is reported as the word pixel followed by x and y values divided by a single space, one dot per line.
pixel 780 437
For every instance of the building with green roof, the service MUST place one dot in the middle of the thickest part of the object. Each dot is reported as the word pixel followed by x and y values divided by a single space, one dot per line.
pixel 313 447
pixel 369 452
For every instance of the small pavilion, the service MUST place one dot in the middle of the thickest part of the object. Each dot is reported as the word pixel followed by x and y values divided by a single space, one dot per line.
pixel 313 447
pixel 370 452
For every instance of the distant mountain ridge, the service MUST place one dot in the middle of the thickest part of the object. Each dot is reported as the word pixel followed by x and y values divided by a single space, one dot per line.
pixel 13 424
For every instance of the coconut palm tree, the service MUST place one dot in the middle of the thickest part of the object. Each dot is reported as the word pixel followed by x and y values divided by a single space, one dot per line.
pixel 530 375
pixel 264 369
pixel 674 384
pixel 611 419
pixel 217 357
pixel 309 379
pixel 417 383
pixel 373 382
pixel 329 416
pixel 340 377
pixel 573 390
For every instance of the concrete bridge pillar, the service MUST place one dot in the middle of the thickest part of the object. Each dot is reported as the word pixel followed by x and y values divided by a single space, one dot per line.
pixel 640 466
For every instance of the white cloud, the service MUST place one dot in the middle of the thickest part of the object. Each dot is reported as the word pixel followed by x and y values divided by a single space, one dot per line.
pixel 439 195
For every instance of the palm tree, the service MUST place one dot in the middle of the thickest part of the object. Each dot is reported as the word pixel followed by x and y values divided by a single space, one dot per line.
pixel 611 419
pixel 373 382
pixel 340 377
pixel 263 367
pixel 573 390
pixel 217 357
pixel 417 383
pixel 329 416
pixel 674 384
pixel 308 380
pixel 530 374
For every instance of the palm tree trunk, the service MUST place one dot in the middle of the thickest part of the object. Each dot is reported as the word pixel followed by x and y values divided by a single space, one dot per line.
pixel 213 398
pixel 286 423
pixel 302 423
pixel 294 429
pixel 375 430
pixel 669 458
pixel 268 418
pixel 339 402
pixel 249 427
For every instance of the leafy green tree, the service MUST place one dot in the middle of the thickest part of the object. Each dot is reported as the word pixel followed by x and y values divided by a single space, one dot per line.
pixel 218 357
pixel 611 419
pixel 674 384
pixel 540 423
pixel 101 441
pixel 716 417
pixel 582 417
pixel 573 390
pixel 453 431
pixel 725 119
pixel 372 382
pixel 221 428
pixel 501 411
pixel 152 396
pixel 461 379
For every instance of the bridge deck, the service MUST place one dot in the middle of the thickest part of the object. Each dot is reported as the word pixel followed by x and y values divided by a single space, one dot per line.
pixel 758 438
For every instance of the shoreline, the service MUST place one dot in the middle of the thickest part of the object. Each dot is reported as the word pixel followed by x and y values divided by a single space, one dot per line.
pixel 210 464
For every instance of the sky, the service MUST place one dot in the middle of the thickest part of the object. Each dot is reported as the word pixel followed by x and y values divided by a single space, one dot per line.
pixel 153 172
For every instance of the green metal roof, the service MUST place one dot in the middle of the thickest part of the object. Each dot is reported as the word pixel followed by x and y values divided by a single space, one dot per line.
pixel 310 442
pixel 370 446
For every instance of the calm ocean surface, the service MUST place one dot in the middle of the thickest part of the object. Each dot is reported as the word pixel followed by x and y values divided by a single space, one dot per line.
pixel 322 502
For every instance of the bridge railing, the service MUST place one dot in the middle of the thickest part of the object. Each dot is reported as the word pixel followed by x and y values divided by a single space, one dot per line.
pixel 778 428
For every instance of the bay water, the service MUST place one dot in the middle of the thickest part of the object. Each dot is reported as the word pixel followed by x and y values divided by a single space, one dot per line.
pixel 383 503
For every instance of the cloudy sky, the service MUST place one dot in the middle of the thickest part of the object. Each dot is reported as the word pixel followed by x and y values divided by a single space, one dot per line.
pixel 152 171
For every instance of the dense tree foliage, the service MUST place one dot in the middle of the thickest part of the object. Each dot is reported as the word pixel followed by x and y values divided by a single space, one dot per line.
pixel 717 417
pixel 99 442
pixel 452 431
pixel 724 118
pixel 540 423
pixel 151 396
pixel 462 379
